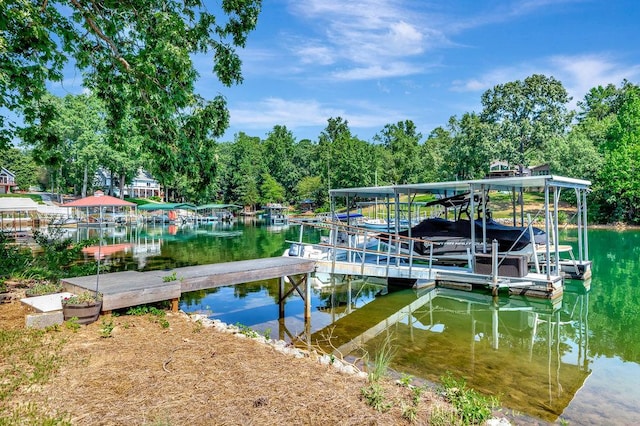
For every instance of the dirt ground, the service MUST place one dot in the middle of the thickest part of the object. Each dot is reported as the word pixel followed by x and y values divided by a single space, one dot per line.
pixel 190 374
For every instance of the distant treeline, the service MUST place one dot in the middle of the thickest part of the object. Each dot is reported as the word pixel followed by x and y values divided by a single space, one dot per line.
pixel 524 123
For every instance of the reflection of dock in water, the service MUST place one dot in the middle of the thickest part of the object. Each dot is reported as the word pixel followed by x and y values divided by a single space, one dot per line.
pixel 383 312
pixel 519 348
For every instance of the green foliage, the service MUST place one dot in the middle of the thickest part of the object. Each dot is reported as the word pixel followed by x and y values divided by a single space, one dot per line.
pixel 169 278
pixel 402 141
pixel 59 256
pixel 106 328
pixel 525 115
pixel 22 165
pixel 374 396
pixel 84 298
pixel 42 288
pixel 471 407
pixel 310 187
pixel 73 324
pixel 381 359
pixel 271 190
pixel 405 379
pixel 247 331
pixel 135 56
pixel 13 258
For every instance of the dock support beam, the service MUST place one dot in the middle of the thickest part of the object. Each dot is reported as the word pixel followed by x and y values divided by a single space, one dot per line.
pixel 305 294
pixel 175 303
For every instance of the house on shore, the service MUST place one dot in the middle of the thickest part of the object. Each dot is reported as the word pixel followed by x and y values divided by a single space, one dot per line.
pixel 7 181
pixel 499 169
pixel 143 185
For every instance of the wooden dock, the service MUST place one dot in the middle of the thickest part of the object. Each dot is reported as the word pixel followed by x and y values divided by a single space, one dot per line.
pixel 132 288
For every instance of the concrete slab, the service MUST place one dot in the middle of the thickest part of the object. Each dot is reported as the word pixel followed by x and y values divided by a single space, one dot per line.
pixel 46 303
pixel 44 319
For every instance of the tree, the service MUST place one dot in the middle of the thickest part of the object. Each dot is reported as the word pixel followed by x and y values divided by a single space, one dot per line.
pixel 619 180
pixel 346 160
pixel 246 168
pixel 402 140
pixel 279 151
pixel 310 187
pixel 76 142
pixel 526 114
pixel 271 190
pixel 472 149
pixel 435 155
pixel 22 165
pixel 136 56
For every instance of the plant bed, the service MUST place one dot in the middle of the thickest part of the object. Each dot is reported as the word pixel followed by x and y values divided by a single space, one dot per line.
pixel 85 307
pixel 42 289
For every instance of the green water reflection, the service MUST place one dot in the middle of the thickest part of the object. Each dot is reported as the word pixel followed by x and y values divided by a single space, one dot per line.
pixel 576 358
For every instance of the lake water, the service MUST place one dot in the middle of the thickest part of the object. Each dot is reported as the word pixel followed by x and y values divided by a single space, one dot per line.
pixel 577 358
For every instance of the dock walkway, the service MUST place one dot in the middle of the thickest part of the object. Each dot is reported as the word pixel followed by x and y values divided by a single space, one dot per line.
pixel 132 288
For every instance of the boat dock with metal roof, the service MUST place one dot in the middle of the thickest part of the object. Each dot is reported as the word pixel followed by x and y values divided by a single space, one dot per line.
pixel 537 271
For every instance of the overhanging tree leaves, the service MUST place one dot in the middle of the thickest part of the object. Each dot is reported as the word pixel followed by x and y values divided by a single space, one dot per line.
pixel 135 55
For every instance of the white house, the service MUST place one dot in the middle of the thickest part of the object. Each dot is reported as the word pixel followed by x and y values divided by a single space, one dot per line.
pixel 143 185
pixel 7 181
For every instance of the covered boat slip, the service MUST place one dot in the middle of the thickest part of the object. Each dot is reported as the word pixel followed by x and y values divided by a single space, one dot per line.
pixel 534 268
pixel 206 213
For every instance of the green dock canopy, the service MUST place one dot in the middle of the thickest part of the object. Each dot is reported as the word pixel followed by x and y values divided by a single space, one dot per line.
pixel 166 206
pixel 218 206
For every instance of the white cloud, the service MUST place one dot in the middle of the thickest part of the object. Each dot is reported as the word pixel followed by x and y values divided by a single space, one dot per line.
pixel 577 73
pixel 580 73
pixel 395 69
pixel 367 39
pixel 310 113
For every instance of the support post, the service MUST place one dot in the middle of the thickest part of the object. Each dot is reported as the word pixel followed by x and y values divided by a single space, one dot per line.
pixel 174 304
pixel 584 221
pixel 281 299
pixel 547 230
pixel 472 224
pixel 307 299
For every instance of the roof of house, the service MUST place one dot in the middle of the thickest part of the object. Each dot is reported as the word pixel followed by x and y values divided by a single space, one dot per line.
pixel 99 200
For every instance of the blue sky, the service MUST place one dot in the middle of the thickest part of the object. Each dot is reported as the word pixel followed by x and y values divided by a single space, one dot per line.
pixel 376 62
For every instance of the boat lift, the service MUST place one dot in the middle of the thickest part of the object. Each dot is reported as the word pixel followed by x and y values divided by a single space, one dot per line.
pixel 360 251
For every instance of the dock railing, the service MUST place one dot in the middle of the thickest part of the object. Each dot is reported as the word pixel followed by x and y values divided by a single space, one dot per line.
pixel 354 244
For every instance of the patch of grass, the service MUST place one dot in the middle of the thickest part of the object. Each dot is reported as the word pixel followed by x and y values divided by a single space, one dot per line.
pixel 29 414
pixel 247 331
pixel 170 278
pixel 381 359
pixel 157 315
pixel 73 324
pixel 107 328
pixel 374 396
pixel 29 357
pixel 471 407
pixel 198 326
pixel 35 197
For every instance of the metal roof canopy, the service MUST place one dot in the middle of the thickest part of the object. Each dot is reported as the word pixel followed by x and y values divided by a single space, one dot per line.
pixel 166 206
pixel 463 186
pixel 17 204
pixel 218 206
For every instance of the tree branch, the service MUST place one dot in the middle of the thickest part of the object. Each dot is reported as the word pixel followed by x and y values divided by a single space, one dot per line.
pixel 101 35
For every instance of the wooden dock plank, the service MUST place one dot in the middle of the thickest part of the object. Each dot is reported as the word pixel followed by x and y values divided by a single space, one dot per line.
pixel 201 277
pixel 132 288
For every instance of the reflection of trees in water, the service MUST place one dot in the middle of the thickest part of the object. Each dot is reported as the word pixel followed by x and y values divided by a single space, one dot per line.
pixel 614 311
pixel 537 360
